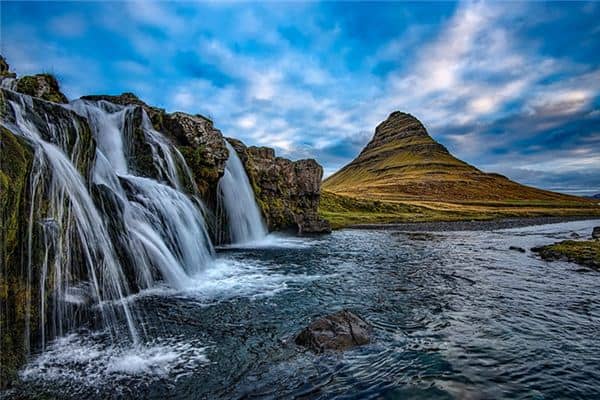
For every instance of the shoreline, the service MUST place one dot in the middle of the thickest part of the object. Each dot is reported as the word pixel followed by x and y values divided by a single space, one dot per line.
pixel 486 225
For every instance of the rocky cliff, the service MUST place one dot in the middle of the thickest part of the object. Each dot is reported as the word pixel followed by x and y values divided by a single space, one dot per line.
pixel 24 205
pixel 287 191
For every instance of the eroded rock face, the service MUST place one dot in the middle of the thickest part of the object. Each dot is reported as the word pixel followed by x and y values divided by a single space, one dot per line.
pixel 338 331
pixel 5 69
pixel 15 162
pixel 288 192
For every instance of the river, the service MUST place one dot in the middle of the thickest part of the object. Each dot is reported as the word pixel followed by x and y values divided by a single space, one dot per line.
pixel 455 315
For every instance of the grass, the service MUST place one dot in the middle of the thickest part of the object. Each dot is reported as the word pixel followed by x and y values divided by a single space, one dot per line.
pixel 343 211
pixel 584 252
pixel 404 175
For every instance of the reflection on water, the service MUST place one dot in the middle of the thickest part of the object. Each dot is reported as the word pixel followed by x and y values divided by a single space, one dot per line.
pixel 456 315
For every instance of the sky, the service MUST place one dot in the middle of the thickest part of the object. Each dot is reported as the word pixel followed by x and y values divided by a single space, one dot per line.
pixel 509 87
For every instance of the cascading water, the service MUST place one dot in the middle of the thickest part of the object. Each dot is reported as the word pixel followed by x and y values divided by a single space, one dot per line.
pixel 236 198
pixel 75 240
pixel 162 229
pixel 95 238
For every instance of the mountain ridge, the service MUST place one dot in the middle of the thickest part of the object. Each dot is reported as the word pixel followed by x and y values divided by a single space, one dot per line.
pixel 403 162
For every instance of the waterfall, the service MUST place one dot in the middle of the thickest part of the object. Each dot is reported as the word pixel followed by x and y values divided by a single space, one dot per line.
pixel 73 230
pixel 236 198
pixel 162 229
pixel 114 231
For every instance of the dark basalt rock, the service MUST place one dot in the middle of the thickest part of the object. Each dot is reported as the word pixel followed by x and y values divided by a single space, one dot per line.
pixel 20 300
pixel 202 145
pixel 5 69
pixel 339 331
pixel 596 233
pixel 517 248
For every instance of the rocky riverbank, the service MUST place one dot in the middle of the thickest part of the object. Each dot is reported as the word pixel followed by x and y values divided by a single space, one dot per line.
pixel 487 225
pixel 583 252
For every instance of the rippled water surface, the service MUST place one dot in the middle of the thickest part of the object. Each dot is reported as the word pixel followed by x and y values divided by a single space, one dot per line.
pixel 456 315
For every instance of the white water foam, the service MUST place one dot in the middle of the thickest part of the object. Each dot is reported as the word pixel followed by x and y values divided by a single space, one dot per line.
pixel 272 241
pixel 86 360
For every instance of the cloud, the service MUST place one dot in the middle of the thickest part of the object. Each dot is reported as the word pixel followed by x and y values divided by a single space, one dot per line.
pixel 499 84
pixel 68 25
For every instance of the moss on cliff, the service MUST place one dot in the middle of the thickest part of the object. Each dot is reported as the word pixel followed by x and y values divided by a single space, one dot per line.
pixel 15 163
pixel 44 86
pixel 206 175
pixel 287 191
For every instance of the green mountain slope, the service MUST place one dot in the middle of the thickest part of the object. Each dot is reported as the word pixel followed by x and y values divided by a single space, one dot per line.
pixel 402 162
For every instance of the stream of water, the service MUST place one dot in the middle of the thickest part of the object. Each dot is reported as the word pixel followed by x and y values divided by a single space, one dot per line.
pixel 455 315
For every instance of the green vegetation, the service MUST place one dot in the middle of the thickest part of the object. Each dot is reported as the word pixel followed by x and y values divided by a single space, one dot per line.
pixel 584 252
pixel 404 163
pixel 404 175
pixel 343 211
pixel 44 86
pixel 15 163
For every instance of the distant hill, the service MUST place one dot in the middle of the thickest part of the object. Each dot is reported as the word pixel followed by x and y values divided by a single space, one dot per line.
pixel 596 196
pixel 403 162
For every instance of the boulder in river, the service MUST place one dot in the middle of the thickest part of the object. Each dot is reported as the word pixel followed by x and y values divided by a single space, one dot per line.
pixel 338 331
pixel 517 248
pixel 596 233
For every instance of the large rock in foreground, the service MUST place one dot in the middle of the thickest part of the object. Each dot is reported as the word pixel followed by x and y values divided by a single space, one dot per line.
pixel 339 331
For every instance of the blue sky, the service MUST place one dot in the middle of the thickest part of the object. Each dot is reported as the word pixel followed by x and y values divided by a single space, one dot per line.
pixel 510 87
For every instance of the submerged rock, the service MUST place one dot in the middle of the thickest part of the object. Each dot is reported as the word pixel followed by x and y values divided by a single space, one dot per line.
pixel 517 248
pixel 338 331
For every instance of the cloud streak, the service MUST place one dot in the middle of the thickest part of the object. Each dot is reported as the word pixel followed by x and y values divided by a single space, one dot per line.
pixel 499 84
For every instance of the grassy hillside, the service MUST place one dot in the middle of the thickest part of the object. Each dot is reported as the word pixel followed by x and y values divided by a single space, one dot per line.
pixel 343 211
pixel 404 175
pixel 402 162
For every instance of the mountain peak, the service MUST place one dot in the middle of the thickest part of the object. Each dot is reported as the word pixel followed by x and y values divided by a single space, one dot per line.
pixel 403 162
pixel 399 124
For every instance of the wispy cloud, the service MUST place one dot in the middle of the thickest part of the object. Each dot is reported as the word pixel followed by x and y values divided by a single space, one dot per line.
pixel 498 83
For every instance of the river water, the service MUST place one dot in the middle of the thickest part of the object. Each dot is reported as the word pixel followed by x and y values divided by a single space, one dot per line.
pixel 455 315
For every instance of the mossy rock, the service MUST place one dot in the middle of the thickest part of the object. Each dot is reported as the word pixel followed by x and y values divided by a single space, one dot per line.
pixel 43 86
pixel 15 164
pixel 583 252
